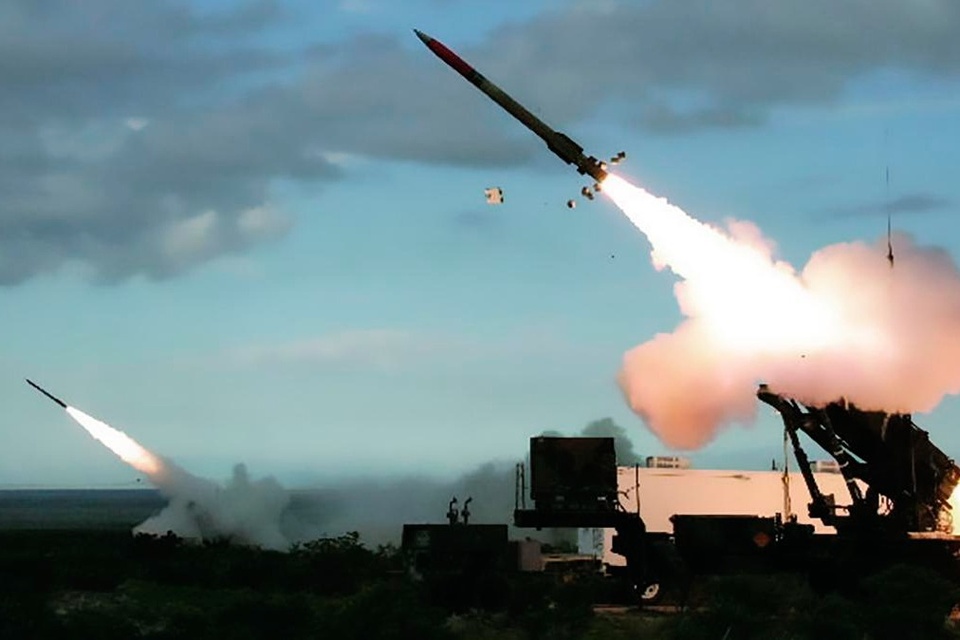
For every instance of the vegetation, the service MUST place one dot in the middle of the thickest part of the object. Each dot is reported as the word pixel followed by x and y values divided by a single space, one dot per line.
pixel 104 585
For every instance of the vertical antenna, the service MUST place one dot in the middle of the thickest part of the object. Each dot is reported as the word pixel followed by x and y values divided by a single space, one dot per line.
pixel 886 204
pixel 889 226
pixel 785 478
pixel 636 484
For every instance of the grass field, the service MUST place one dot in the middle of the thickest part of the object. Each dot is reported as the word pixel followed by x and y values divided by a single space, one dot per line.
pixel 109 584
pixel 77 509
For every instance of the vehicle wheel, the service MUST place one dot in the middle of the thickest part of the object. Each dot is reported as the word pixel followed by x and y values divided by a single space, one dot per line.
pixel 651 593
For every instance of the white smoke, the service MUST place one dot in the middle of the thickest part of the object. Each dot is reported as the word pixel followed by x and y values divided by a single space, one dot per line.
pixel 243 511
pixel 850 325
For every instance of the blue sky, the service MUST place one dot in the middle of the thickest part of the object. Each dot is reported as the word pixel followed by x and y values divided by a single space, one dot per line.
pixel 257 232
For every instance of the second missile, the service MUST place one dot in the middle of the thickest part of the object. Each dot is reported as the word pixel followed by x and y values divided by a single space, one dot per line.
pixel 63 405
pixel 565 148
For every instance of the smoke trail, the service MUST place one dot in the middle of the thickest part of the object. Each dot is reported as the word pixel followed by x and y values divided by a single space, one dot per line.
pixel 379 507
pixel 846 326
pixel 126 448
pixel 245 511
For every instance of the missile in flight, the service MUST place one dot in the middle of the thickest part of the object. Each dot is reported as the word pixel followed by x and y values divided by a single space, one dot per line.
pixel 63 405
pixel 565 148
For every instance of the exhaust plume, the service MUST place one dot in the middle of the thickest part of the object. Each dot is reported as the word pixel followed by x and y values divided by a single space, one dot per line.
pixel 847 326
pixel 245 511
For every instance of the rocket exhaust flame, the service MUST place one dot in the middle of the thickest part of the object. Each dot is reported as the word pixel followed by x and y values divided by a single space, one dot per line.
pixel 242 510
pixel 723 277
pixel 125 447
pixel 845 327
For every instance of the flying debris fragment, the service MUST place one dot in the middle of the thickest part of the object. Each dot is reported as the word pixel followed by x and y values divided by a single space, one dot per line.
pixel 571 204
pixel 586 193
pixel 559 143
pixel 494 195
pixel 620 157
pixel 63 405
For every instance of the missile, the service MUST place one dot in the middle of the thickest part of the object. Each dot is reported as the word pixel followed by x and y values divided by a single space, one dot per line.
pixel 63 405
pixel 565 148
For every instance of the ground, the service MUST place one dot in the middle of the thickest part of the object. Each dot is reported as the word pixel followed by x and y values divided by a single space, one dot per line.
pixel 109 584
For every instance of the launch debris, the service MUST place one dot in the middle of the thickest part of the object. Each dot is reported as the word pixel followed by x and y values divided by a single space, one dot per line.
pixel 494 195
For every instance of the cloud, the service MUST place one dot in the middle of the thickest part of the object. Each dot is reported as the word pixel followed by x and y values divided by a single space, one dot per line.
pixel 911 203
pixel 719 64
pixel 123 124
pixel 64 59
pixel 481 222
pixel 662 118
pixel 383 350
pixel 915 203
pixel 176 185
pixel 379 507
pixel 217 122
pixel 392 351
pixel 357 6
pixel 608 428
pixel 136 123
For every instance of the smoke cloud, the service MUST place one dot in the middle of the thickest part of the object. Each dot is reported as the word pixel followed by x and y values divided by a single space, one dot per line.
pixel 378 509
pixel 262 513
pixel 607 427
pixel 851 325
pixel 242 510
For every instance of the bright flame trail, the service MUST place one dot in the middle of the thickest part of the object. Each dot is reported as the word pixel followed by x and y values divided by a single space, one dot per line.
pixel 847 326
pixel 243 510
pixel 125 447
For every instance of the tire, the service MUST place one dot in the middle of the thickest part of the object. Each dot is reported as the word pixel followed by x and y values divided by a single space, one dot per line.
pixel 652 593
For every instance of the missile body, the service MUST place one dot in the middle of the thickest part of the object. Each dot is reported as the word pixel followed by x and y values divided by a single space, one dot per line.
pixel 565 148
pixel 63 405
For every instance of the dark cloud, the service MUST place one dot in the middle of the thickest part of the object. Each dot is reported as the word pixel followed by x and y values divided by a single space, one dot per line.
pixel 118 153
pixel 608 428
pixel 661 118
pixel 911 203
pixel 720 64
pixel 478 221
pixel 73 61
pixel 143 138
pixel 916 203
pixel 378 509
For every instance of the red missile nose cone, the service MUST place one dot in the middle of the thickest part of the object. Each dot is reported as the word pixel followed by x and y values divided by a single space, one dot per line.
pixel 424 38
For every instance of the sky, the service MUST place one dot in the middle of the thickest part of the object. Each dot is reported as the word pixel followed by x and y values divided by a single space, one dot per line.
pixel 256 231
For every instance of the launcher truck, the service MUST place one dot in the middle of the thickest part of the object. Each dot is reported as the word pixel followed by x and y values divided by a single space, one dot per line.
pixel 899 510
